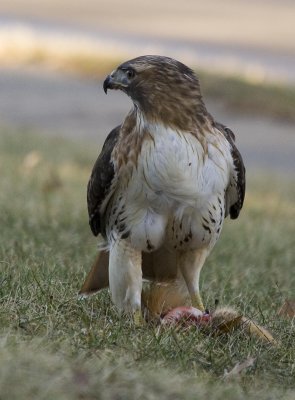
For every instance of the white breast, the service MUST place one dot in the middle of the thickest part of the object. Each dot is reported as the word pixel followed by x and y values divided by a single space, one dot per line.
pixel 171 166
pixel 174 174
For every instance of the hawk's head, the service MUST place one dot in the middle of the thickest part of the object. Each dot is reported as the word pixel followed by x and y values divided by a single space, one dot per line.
pixel 162 88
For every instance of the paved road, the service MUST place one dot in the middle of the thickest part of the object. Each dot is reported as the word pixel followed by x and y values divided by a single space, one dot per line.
pixel 54 104
pixel 253 62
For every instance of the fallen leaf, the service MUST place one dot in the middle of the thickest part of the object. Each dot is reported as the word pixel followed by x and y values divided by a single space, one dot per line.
pixel 287 309
pixel 253 329
pixel 31 160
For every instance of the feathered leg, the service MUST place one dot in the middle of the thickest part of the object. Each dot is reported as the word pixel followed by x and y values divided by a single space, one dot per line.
pixel 190 264
pixel 125 278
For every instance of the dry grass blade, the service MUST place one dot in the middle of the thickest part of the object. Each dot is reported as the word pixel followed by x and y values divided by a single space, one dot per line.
pixel 239 368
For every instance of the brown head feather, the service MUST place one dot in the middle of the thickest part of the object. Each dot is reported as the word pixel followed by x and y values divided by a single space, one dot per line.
pixel 166 91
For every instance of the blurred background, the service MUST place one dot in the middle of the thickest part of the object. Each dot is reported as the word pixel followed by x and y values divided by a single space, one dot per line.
pixel 54 55
pixel 54 118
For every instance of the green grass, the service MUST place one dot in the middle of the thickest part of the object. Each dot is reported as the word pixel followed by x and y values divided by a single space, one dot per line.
pixel 259 98
pixel 54 346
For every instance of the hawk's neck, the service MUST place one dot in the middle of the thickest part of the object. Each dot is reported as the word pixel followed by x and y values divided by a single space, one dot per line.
pixel 139 127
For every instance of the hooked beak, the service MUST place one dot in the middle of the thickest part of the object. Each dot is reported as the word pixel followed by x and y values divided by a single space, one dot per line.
pixel 116 80
pixel 107 84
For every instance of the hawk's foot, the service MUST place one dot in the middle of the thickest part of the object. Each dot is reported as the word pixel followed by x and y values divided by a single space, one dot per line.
pixel 197 302
pixel 138 318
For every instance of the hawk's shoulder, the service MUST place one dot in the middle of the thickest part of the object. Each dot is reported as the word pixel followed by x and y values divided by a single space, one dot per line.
pixel 100 181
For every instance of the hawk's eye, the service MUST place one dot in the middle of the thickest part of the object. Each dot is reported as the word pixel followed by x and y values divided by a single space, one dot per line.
pixel 130 73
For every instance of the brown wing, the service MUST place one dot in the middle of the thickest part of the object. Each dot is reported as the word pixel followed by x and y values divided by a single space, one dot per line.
pixel 236 191
pixel 100 182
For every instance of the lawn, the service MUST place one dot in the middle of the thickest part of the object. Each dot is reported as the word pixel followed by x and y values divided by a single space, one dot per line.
pixel 55 346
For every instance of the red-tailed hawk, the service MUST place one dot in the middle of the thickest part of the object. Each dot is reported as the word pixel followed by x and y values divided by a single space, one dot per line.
pixel 162 185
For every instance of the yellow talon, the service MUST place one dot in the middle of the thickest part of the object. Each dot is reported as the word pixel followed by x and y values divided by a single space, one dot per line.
pixel 197 302
pixel 137 318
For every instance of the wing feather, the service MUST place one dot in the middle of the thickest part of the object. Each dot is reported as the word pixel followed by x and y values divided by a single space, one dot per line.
pixel 100 182
pixel 235 193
